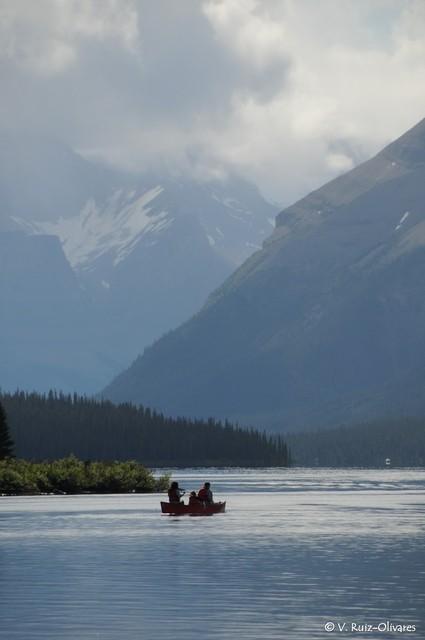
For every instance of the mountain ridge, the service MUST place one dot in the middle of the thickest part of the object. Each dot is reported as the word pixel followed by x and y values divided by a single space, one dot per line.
pixel 312 329
pixel 145 251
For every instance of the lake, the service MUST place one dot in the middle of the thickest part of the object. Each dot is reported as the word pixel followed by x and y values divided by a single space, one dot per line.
pixel 295 550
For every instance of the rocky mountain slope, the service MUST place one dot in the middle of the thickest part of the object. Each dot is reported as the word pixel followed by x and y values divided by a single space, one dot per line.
pixel 324 325
pixel 143 251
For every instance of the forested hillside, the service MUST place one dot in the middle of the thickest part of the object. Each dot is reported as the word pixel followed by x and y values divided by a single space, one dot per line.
pixel 55 425
pixel 365 445
pixel 48 427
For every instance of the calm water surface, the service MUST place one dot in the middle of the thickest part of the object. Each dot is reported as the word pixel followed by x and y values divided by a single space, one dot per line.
pixel 296 549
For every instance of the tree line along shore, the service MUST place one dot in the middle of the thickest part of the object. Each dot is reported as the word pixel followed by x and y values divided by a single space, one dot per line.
pixel 66 443
pixel 394 442
pixel 73 444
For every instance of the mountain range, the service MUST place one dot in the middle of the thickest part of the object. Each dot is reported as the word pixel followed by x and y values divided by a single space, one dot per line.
pixel 97 263
pixel 322 326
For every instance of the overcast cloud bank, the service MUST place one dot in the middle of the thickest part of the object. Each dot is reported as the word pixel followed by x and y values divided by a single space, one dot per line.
pixel 287 93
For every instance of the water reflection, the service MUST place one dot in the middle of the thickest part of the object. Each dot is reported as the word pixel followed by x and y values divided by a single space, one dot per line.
pixel 295 549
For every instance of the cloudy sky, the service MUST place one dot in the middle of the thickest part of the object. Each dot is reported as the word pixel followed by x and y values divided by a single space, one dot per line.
pixel 288 93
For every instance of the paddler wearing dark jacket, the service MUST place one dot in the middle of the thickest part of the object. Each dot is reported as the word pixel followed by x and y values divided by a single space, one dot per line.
pixel 175 493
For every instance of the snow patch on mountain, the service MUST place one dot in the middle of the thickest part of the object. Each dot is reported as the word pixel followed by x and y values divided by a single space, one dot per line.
pixel 113 228
pixel 403 218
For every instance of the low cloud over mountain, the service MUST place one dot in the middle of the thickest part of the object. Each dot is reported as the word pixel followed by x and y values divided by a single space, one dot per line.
pixel 324 325
pixel 97 263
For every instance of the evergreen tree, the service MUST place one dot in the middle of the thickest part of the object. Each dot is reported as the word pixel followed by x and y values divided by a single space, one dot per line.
pixel 6 442
pixel 52 426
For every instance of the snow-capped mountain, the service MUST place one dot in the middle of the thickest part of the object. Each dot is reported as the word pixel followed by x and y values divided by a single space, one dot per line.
pixel 113 229
pixel 145 255
pixel 234 218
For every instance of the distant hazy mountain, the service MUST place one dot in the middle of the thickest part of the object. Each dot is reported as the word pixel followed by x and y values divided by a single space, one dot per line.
pixel 324 325
pixel 144 252
pixel 46 333
pixel 43 179
pixel 149 255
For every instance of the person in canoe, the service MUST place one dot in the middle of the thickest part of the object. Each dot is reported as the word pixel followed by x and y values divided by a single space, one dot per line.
pixel 175 493
pixel 205 494
pixel 193 499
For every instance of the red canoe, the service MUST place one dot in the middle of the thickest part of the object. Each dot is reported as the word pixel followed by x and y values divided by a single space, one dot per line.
pixel 201 509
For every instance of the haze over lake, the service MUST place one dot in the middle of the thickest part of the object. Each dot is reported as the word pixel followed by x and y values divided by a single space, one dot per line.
pixel 296 549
